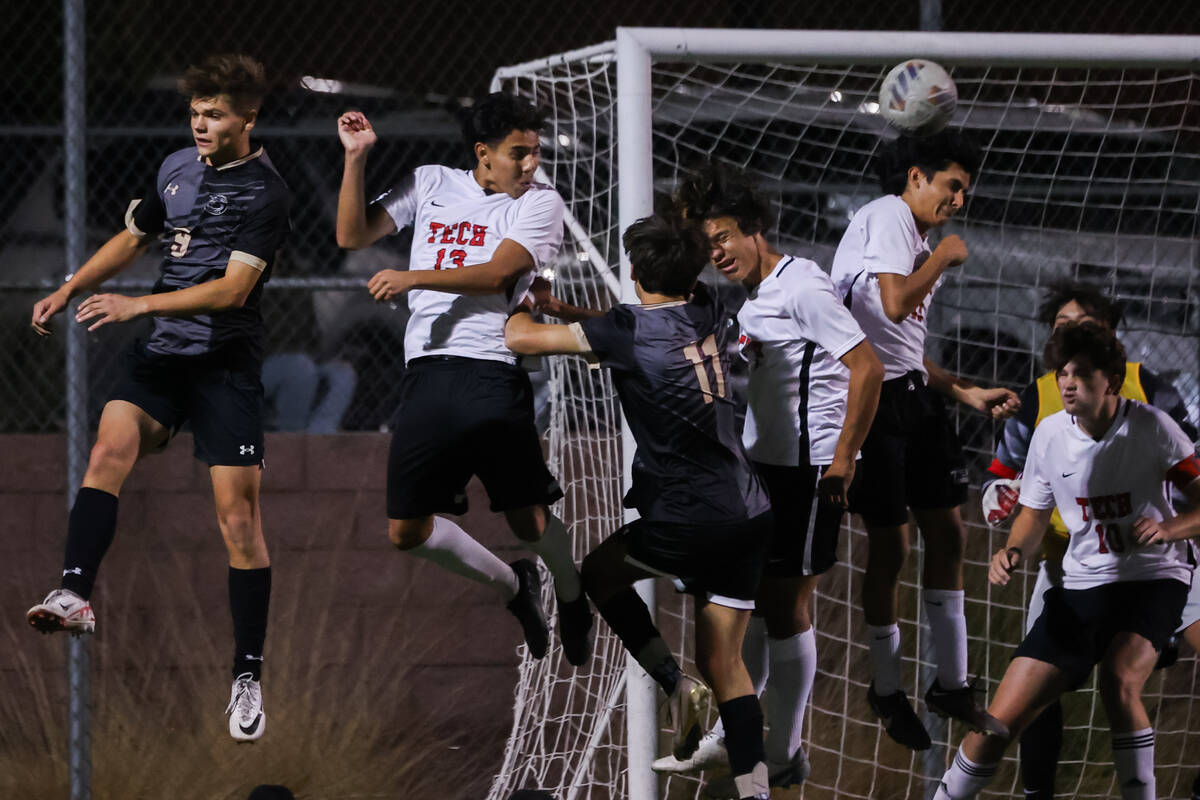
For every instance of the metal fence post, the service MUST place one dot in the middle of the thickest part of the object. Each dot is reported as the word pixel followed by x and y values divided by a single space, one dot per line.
pixel 79 738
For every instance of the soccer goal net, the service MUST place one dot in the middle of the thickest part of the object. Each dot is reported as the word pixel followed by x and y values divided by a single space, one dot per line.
pixel 1091 173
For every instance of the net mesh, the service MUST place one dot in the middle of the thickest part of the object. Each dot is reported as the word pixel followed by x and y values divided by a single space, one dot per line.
pixel 1089 174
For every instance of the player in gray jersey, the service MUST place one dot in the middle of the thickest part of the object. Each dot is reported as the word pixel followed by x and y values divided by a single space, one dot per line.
pixel 220 212
pixel 704 514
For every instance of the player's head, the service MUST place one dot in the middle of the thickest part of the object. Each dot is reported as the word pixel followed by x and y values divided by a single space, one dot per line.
pixel 734 216
pixel 931 173
pixel 666 254
pixel 1077 302
pixel 502 132
pixel 1090 364
pixel 225 93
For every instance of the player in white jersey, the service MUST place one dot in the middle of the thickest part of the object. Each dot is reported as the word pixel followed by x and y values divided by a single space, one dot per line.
pixel 1103 462
pixel 814 385
pixel 911 459
pixel 466 407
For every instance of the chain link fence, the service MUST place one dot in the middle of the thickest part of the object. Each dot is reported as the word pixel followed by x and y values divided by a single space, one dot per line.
pixel 406 66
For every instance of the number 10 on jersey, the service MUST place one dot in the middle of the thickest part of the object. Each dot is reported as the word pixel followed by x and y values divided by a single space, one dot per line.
pixel 703 356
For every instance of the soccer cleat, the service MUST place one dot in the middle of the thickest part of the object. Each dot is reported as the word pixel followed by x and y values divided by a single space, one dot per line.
pixel 687 708
pixel 1169 654
pixel 63 610
pixel 575 629
pixel 526 606
pixel 779 776
pixel 960 704
pixel 247 720
pixel 899 719
pixel 709 753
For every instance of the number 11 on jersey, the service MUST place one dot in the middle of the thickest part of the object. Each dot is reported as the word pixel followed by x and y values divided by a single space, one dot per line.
pixel 704 355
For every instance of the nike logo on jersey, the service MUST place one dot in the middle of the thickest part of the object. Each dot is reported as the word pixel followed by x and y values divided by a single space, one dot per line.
pixel 1067 474
pixel 436 203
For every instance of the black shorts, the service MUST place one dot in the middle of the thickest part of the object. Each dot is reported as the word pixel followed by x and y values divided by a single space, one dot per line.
pixel 911 457
pixel 721 563
pixel 460 417
pixel 1077 626
pixel 806 526
pixel 220 396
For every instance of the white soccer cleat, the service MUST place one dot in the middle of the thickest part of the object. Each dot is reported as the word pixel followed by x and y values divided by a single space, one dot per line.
pixel 709 753
pixel 792 773
pixel 63 610
pixel 247 720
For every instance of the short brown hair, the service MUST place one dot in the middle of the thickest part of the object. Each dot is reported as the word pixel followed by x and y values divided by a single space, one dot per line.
pixel 238 76
pixel 1095 343
pixel 667 253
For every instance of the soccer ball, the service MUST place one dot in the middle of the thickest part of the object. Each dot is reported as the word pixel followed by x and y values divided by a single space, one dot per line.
pixel 918 97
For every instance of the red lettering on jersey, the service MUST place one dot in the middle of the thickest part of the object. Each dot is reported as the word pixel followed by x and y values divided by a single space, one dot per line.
pixel 464 228
pixel 1100 506
pixel 1184 472
pixel 1124 504
pixel 477 233
pixel 919 312
pixel 1083 504
pixel 448 234
pixel 434 227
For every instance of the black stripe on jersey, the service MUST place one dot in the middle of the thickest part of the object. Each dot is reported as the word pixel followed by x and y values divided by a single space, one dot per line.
pixel 783 265
pixel 850 290
pixel 802 409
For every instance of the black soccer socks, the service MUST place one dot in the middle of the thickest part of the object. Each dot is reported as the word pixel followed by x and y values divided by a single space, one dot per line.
pixel 90 529
pixel 249 600
pixel 743 721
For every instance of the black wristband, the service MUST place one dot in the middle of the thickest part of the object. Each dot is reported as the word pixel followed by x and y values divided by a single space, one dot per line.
pixel 1017 550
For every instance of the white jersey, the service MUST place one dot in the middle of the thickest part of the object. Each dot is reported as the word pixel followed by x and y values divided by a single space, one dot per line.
pixel 883 237
pixel 793 331
pixel 1102 487
pixel 457 224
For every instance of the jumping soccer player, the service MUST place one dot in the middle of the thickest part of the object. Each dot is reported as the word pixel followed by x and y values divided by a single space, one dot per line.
pixel 1103 462
pixel 705 517
pixel 220 210
pixel 1041 741
pixel 814 386
pixel 911 459
pixel 466 407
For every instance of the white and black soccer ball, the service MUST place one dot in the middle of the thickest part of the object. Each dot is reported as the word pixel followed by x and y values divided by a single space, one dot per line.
pixel 918 97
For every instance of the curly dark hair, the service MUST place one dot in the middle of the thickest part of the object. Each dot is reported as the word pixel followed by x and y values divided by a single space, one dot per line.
pixel 1093 302
pixel 1088 340
pixel 719 190
pixel 491 118
pixel 930 154
pixel 667 253
pixel 241 78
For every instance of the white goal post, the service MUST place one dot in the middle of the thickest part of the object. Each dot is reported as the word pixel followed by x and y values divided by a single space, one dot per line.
pixel 1091 172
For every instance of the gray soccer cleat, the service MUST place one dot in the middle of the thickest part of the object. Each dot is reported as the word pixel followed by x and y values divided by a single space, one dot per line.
pixel 63 610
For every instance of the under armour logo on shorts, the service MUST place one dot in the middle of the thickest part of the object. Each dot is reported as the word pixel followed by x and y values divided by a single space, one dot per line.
pixel 246 449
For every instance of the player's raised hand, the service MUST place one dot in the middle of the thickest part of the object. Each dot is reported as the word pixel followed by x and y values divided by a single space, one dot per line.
pixel 996 401
pixel 953 249
pixel 106 308
pixel 46 308
pixel 388 283
pixel 355 132
pixel 1150 531
pixel 1002 565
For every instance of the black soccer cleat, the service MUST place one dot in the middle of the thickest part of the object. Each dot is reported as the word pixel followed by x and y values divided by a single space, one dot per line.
pixel 960 704
pixel 575 629
pixel 899 719
pixel 526 606
pixel 1169 654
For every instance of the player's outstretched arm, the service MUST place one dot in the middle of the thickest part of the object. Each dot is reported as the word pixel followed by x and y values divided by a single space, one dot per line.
pixel 113 256
pixel 523 335
pixel 544 301
pixel 1024 538
pixel 862 400
pixel 999 402
pixel 901 294
pixel 509 261
pixel 229 291
pixel 1184 526
pixel 358 225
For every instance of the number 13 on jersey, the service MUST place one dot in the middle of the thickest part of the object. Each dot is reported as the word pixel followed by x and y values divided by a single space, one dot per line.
pixel 703 356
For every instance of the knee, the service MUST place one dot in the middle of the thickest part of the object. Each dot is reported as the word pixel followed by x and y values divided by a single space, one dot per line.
pixel 405 534
pixel 528 524
pixel 885 559
pixel 111 456
pixel 1119 688
pixel 717 666
pixel 239 527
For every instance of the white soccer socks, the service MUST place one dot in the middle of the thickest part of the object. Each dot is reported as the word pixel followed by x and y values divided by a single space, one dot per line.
pixel 554 548
pixel 793 668
pixel 453 549
pixel 947 620
pixel 884 643
pixel 1133 757
pixel 965 778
